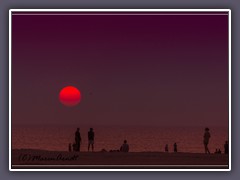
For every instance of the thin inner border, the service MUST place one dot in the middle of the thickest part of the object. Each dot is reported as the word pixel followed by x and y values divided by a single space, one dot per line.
pixel 228 13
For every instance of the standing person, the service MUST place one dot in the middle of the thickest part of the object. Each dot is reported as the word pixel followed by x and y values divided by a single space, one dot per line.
pixel 175 147
pixel 124 147
pixel 206 138
pixel 91 139
pixel 166 148
pixel 219 151
pixel 78 139
pixel 226 147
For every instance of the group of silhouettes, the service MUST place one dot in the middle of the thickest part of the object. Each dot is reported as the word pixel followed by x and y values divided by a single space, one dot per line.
pixel 78 140
pixel 125 147
pixel 206 138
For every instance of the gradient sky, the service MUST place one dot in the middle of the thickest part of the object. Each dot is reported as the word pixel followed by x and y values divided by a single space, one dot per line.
pixel 160 70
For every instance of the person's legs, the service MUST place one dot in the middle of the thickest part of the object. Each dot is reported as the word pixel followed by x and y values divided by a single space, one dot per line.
pixel 208 150
pixel 205 146
pixel 78 146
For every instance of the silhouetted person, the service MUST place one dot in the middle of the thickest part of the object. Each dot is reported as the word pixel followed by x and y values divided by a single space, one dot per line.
pixel 91 139
pixel 175 147
pixel 69 147
pixel 124 147
pixel 206 138
pixel 219 151
pixel 226 147
pixel 166 148
pixel 216 151
pixel 78 139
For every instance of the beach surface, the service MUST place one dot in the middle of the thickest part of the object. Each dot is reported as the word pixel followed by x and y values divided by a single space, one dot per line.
pixel 27 158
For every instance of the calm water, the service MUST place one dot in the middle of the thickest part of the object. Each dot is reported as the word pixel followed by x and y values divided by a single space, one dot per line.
pixel 189 139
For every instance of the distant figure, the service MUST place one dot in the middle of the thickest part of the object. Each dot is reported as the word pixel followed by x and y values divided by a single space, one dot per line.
pixel 206 138
pixel 78 140
pixel 103 150
pixel 216 151
pixel 175 147
pixel 226 147
pixel 114 150
pixel 124 147
pixel 166 148
pixel 219 151
pixel 69 147
pixel 91 139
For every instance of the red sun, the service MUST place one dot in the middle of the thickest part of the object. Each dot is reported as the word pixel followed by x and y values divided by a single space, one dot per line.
pixel 70 96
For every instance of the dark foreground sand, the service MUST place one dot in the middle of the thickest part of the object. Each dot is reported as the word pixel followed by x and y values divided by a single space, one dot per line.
pixel 60 159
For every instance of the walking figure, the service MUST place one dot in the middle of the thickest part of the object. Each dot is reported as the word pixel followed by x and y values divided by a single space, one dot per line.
pixel 175 147
pixel 206 138
pixel 91 139
pixel 78 140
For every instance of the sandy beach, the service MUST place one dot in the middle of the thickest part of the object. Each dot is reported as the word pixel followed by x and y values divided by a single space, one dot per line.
pixel 26 158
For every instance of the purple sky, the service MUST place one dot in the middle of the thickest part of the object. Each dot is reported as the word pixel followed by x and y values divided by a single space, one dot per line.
pixel 160 70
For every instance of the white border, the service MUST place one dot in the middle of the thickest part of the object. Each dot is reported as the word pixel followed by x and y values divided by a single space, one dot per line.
pixel 10 88
pixel 119 10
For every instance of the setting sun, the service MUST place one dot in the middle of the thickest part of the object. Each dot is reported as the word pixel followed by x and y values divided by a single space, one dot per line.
pixel 70 96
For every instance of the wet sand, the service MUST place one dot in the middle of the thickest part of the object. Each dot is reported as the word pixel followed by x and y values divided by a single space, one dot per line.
pixel 27 158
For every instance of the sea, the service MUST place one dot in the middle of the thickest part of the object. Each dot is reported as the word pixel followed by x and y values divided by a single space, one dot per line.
pixel 139 138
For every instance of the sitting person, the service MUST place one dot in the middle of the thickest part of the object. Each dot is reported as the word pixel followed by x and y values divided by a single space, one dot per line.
pixel 124 147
